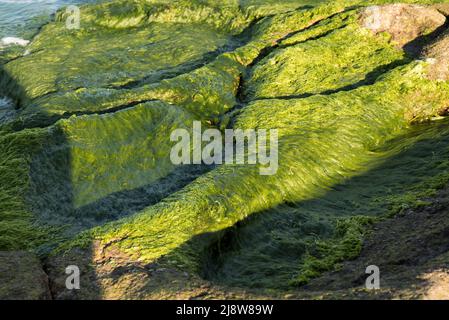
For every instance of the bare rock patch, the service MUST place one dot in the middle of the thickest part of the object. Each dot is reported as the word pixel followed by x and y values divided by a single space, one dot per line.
pixel 22 277
pixel 403 22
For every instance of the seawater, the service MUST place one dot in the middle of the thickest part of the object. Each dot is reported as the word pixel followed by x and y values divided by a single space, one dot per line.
pixel 18 18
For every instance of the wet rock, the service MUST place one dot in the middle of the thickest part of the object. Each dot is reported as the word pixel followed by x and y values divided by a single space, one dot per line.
pixel 56 266
pixel 22 277
pixel 403 22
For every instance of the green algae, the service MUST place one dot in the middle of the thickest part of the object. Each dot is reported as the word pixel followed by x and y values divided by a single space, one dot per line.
pixel 341 59
pixel 412 188
pixel 332 129
pixel 67 86
pixel 331 149
pixel 293 242
pixel 60 61
pixel 56 170
pixel 70 63
pixel 345 245
pixel 108 153
pixel 121 61
pixel 17 230
pixel 148 224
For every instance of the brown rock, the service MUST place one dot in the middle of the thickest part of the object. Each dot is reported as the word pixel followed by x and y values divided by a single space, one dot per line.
pixel 442 7
pixel 22 277
pixel 437 54
pixel 56 268
pixel 403 22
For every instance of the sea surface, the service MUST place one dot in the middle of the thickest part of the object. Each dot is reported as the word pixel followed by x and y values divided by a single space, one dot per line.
pixel 18 18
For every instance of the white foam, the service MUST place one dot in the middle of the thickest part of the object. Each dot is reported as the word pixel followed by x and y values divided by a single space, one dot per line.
pixel 7 110
pixel 8 41
pixel 5 102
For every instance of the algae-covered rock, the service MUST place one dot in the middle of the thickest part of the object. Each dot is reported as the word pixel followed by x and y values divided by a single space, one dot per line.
pixel 101 57
pixel 340 58
pixel 85 156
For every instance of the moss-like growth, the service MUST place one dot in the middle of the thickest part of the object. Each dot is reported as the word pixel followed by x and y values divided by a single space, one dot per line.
pixel 17 230
pixel 345 245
